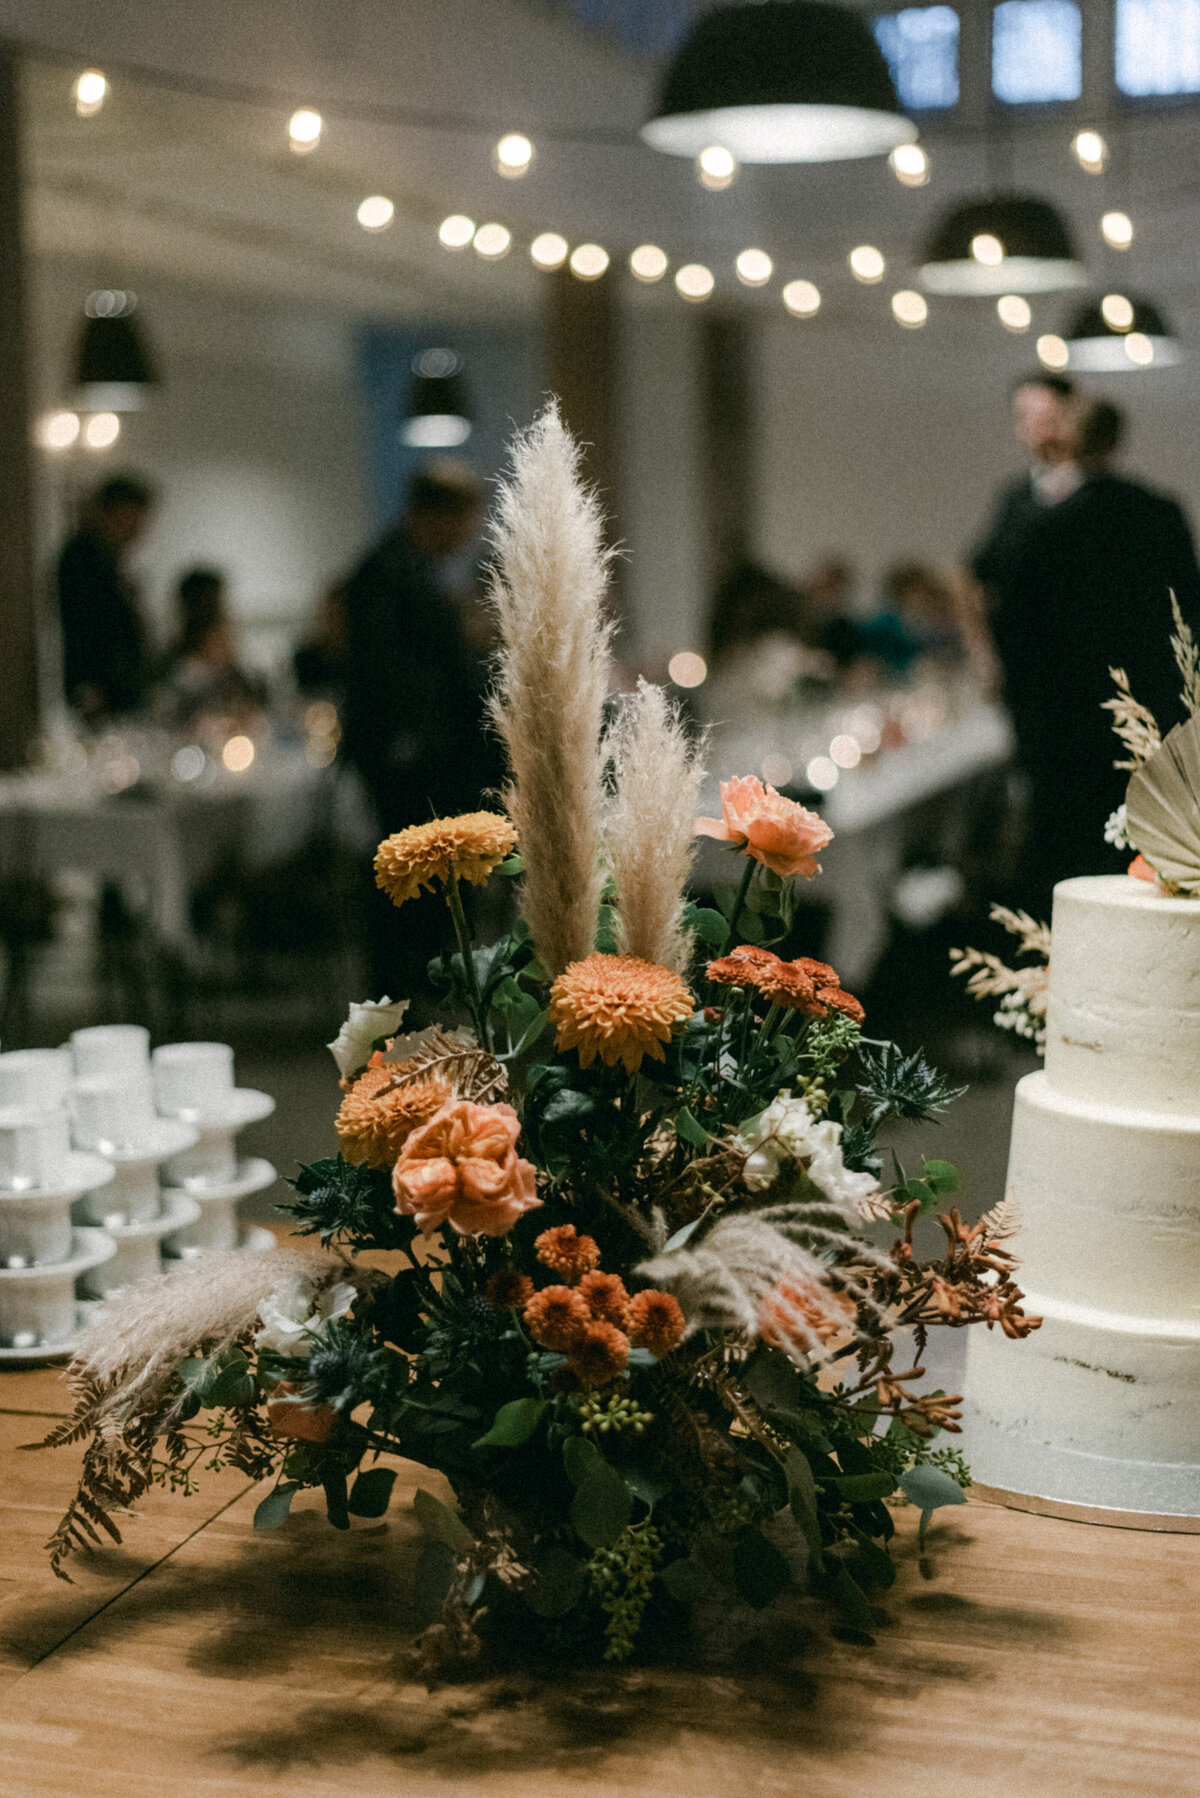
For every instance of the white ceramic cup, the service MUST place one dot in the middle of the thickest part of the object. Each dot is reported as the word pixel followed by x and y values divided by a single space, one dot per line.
pixel 38 1314
pixel 118 1112
pixel 215 1228
pixel 131 1197
pixel 37 1078
pixel 34 1231
pixel 192 1077
pixel 211 1161
pixel 111 1050
pixel 34 1146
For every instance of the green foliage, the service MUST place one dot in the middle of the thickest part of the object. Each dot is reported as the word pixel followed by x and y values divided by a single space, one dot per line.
pixel 514 1423
pixel 930 1488
pixel 340 1198
pixel 903 1086
pixel 347 1368
pixel 371 1493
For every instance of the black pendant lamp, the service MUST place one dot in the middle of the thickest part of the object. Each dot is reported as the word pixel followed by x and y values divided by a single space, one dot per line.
pixel 1005 243
pixel 1118 334
pixel 779 81
pixel 438 413
pixel 114 369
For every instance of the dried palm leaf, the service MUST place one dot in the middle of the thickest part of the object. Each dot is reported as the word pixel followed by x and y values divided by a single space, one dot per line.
pixel 1163 807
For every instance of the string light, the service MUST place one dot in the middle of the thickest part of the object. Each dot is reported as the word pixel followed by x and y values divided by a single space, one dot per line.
pixel 90 91
pixel 1116 228
pixel 1116 311
pixel 987 250
pixel 694 281
pixel 845 750
pixel 588 262
pixel 910 165
pixel 802 299
pixel 1052 351
pixel 493 241
pixel 1014 312
pixel 1140 349
pixel 867 264
pixel 822 774
pixel 549 251
pixel 687 669
pixel 238 754
pixel 58 430
pixel 648 262
pixel 909 309
pixel 754 268
pixel 513 155
pixel 304 130
pixel 456 232
pixel 716 168
pixel 376 213
pixel 102 431
pixel 1091 151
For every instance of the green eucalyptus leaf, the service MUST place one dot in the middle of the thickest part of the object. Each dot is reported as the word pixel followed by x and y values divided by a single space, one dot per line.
pixel 512 866
pixel 433 1576
pixel 802 1497
pixel 760 1572
pixel 853 1606
pixel 690 1128
pixel 372 1492
pixel 272 1513
pixel 513 1423
pixel 709 925
pixel 559 1585
pixel 581 1458
pixel 602 1507
pixel 942 1176
pixel 681 1236
pixel 569 1106
pixel 772 1381
pixel 862 1488
pixel 930 1487
pixel 443 1524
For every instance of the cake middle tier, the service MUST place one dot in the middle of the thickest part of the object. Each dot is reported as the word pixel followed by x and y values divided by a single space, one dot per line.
pixel 1110 1203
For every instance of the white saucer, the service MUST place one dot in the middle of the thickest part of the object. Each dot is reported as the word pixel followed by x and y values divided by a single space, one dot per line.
pixel 161 1138
pixel 179 1209
pixel 254 1175
pixel 253 1239
pixel 231 1110
pixel 80 1173
pixel 89 1247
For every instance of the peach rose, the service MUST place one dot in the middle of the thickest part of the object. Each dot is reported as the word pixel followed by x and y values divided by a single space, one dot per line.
pixel 777 832
pixel 289 1419
pixel 462 1168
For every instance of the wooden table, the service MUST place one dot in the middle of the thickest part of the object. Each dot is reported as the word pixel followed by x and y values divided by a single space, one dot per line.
pixel 1028 1657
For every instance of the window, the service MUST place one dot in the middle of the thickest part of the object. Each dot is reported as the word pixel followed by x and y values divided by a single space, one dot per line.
pixel 921 46
pixel 1036 51
pixel 1158 46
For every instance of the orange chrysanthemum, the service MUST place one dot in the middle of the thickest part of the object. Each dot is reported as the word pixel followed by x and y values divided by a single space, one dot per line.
pixel 605 1297
pixel 566 1253
pixel 655 1321
pixel 556 1317
pixel 473 845
pixel 788 984
pixel 599 1354
pixel 382 1109
pixel 836 1000
pixel 741 966
pixel 508 1289
pixel 618 1007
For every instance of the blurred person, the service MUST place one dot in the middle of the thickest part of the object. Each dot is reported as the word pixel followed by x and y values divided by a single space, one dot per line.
pixel 414 719
pixel 106 662
pixel 917 619
pixel 1087 590
pixel 828 617
pixel 1043 419
pixel 750 604
pixel 319 661
pixel 202 675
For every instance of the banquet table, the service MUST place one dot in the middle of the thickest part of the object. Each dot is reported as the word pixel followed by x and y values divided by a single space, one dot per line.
pixel 1040 1657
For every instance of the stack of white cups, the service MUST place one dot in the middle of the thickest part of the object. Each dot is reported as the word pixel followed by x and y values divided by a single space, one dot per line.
pixel 42 1252
pixel 193 1085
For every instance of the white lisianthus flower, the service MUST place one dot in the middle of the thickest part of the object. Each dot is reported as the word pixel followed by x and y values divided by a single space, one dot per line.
pixel 1116 831
pixel 787 1131
pixel 291 1323
pixel 374 1018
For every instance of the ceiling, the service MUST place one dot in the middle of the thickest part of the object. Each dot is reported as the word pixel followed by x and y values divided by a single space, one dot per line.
pixel 186 169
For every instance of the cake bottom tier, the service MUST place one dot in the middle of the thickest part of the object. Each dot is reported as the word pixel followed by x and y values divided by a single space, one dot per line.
pixel 1093 1409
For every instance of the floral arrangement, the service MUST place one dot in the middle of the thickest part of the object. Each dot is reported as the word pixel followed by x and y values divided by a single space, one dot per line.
pixel 637 1289
pixel 1021 992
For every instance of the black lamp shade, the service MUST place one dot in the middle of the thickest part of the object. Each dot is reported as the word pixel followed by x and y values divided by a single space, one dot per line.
pixel 438 414
pixel 1097 346
pixel 113 367
pixel 1038 255
pixel 780 81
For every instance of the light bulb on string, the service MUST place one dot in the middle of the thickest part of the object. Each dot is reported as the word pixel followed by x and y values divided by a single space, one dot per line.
pixel 1014 312
pixel 90 91
pixel 1052 351
pixel 1139 348
pixel 513 155
pixel 1091 151
pixel 754 268
pixel 456 232
pixel 1116 228
pixel 716 168
pixel 548 250
pixel 909 309
pixel 588 261
pixel 493 241
pixel 867 264
pixel 694 282
pixel 987 249
pixel 910 165
pixel 304 130
pixel 58 430
pixel 648 263
pixel 102 430
pixel 376 212
pixel 802 299
pixel 1116 311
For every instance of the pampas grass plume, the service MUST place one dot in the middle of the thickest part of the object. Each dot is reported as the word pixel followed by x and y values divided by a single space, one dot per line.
pixel 553 671
pixel 651 826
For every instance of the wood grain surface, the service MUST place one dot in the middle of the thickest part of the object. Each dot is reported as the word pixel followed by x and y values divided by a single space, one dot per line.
pixel 1025 1656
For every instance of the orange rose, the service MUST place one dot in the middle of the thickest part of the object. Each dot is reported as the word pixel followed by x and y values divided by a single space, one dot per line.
pixel 462 1168
pixel 289 1419
pixel 777 832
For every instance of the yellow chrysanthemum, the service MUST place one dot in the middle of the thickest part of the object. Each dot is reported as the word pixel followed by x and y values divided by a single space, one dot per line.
pixel 473 844
pixel 618 1007
pixel 382 1109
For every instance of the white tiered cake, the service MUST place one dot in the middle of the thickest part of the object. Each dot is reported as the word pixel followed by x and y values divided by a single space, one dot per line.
pixel 1100 1408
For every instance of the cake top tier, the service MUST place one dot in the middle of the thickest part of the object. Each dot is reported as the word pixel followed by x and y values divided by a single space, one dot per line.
pixel 1123 1012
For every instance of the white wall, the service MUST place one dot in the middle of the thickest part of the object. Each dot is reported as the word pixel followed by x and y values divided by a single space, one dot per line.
pixel 256 443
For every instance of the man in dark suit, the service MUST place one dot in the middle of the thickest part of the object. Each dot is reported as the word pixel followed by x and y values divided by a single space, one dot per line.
pixel 105 658
pixel 1088 589
pixel 1043 426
